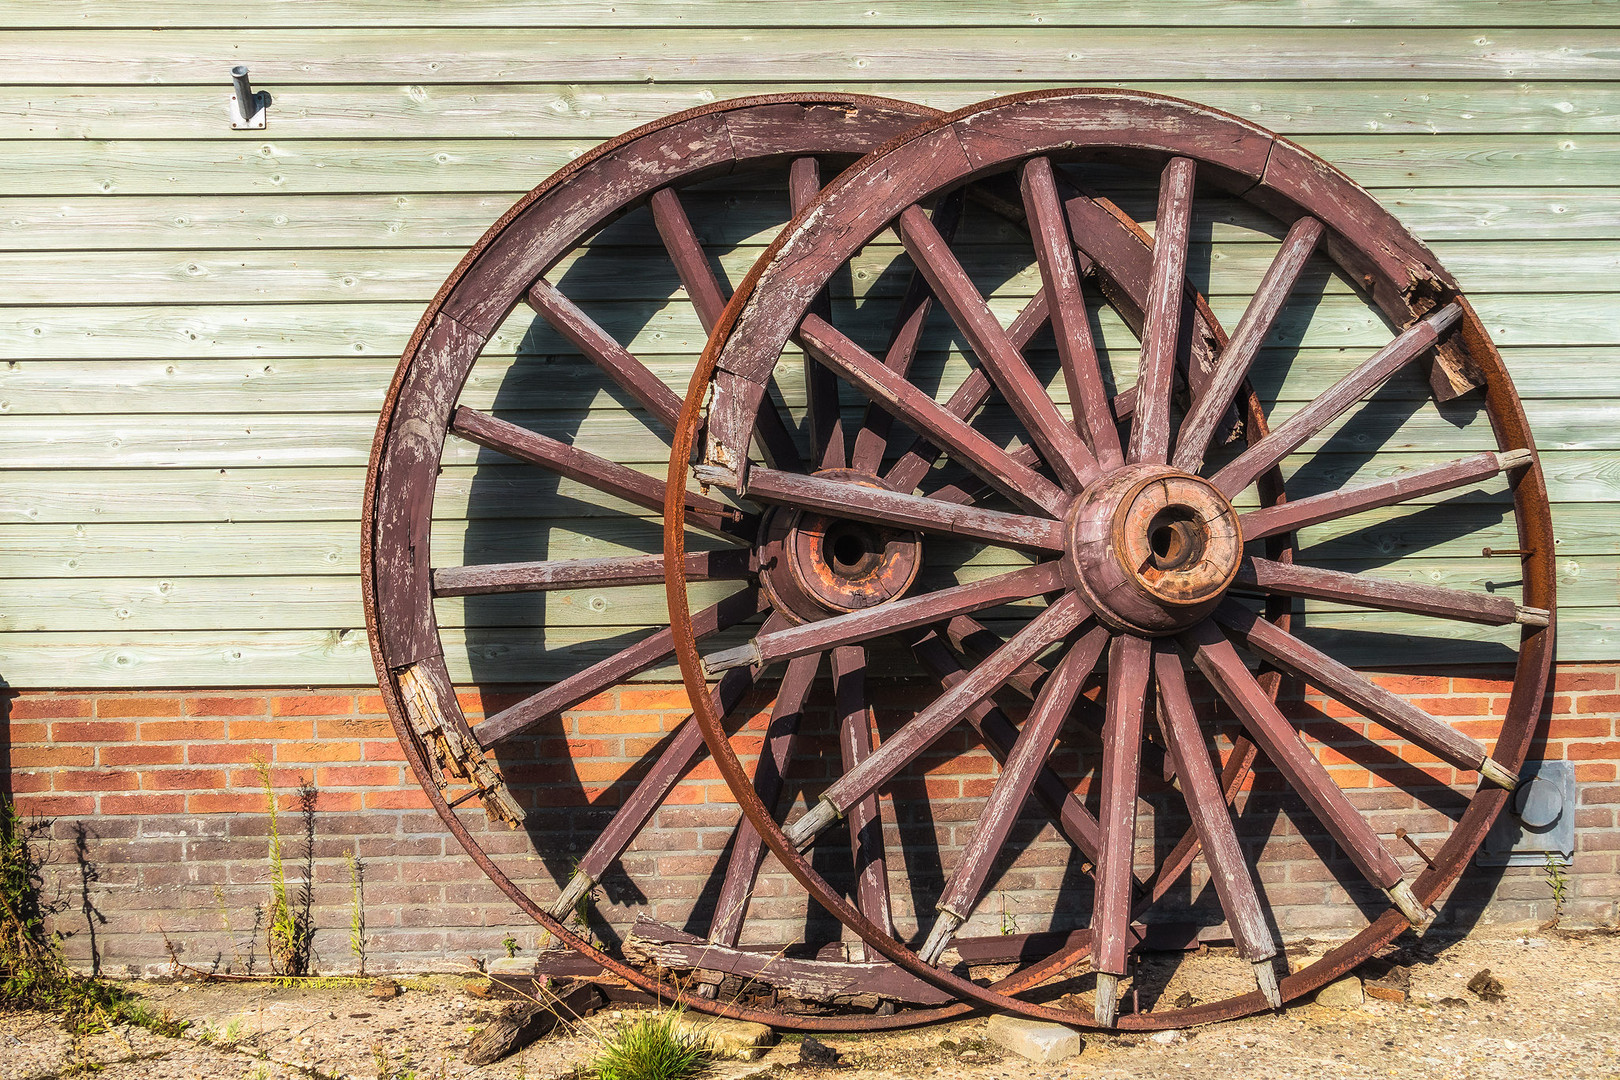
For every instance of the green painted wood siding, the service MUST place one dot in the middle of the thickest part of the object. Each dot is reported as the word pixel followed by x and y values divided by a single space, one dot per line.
pixel 198 324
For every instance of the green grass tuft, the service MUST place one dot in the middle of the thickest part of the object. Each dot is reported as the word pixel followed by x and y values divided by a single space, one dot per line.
pixel 651 1048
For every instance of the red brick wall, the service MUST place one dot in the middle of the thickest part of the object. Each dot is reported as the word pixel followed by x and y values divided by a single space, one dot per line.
pixel 159 832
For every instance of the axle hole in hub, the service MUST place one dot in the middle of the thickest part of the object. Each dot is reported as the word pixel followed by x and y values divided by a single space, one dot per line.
pixel 1177 537
pixel 852 549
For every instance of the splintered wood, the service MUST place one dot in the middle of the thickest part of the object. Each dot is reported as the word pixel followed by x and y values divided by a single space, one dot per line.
pixel 452 753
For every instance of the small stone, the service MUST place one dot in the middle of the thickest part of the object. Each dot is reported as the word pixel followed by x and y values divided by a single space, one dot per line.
pixel 1039 1042
pixel 727 1038
pixel 1387 978
pixel 512 965
pixel 1383 991
pixel 1342 993
pixel 384 989
pixel 1165 1038
pixel 815 1052
pixel 1487 987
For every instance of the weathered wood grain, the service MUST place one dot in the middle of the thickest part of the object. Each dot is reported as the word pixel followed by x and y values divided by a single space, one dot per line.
pixel 945 711
pixel 378 54
pixel 1129 664
pixel 314 293
pixel 217 599
pixel 396 219
pixel 830 14
pixel 747 848
pixel 339 656
pixel 1201 789
pixel 276 331
pixel 1220 663
pixel 601 110
pixel 278 164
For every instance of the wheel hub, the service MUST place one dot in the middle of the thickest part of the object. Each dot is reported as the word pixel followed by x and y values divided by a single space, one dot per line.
pixel 814 565
pixel 1152 548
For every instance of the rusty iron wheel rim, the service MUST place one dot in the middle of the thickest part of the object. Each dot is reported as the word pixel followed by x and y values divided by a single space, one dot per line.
pixel 1404 281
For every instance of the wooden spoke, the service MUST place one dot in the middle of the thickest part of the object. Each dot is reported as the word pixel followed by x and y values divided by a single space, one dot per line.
pixel 1289 579
pixel 968 489
pixel 821 386
pixel 707 292
pixel 1059 444
pixel 709 295
pixel 1071 326
pixel 601 349
pixel 891 508
pixel 633 815
pixel 922 609
pixel 1073 820
pixel 966 444
pixel 1215 398
pixel 1356 691
pixel 650 651
pixel 608 573
pixel 912 464
pixel 1050 626
pixel 1222 666
pixel 1161 324
pixel 747 849
pixel 871 441
pixel 606 476
pixel 1012 789
pixel 855 746
pixel 1312 418
pixel 1128 662
pixel 970 637
pixel 1330 505
pixel 1201 788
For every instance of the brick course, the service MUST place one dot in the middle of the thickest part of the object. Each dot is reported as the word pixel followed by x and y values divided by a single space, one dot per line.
pixel 158 819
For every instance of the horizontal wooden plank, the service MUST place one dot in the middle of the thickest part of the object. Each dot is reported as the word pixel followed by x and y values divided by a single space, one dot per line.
pixel 275 331
pixel 87 496
pixel 268 658
pixel 285 163
pixel 397 220
pixel 1425 532
pixel 356 384
pixel 508 110
pixel 233 604
pixel 129 442
pixel 360 274
pixel 687 14
pixel 804 56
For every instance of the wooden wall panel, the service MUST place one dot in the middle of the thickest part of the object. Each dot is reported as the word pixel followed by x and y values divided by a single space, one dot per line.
pixel 197 325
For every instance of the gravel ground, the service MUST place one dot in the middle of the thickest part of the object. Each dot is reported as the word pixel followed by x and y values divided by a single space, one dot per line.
pixel 1560 1019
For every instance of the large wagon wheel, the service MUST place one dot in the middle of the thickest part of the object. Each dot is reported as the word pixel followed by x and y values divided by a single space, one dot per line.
pixel 1139 554
pixel 510 265
pixel 647 167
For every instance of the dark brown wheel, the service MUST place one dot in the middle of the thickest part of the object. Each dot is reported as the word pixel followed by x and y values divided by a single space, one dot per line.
pixel 782 141
pixel 1121 515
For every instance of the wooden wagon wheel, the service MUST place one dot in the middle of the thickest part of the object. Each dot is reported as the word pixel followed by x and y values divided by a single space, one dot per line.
pixel 510 265
pixel 647 167
pixel 1138 552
